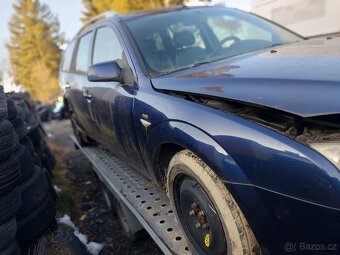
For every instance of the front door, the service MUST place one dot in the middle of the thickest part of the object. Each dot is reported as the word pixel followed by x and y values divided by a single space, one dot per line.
pixel 111 103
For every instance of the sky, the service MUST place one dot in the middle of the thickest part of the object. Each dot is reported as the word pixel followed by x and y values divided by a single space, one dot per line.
pixel 69 13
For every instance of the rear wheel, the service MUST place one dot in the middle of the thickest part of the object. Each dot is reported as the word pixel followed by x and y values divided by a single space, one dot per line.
pixel 208 215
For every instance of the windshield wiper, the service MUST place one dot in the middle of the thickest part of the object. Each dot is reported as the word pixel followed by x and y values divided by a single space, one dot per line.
pixel 187 67
pixel 275 44
pixel 211 60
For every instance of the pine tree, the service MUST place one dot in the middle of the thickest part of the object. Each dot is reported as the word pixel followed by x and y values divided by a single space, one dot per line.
pixel 95 7
pixel 33 48
pixel 141 5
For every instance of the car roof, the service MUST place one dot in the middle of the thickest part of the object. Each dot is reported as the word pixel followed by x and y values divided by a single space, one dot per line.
pixel 165 10
pixel 155 11
pixel 110 15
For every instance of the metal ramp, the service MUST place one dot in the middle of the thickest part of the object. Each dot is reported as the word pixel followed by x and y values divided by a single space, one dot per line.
pixel 142 197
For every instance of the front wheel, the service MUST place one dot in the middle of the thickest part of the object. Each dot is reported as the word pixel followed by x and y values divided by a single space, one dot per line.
pixel 208 215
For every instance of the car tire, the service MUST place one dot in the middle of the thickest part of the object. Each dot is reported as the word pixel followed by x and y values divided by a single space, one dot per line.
pixel 20 113
pixel 36 224
pixel 9 205
pixel 8 231
pixel 8 140
pixel 50 156
pixel 12 109
pixel 3 104
pixel 12 249
pixel 20 127
pixel 10 174
pixel 27 142
pixel 208 214
pixel 66 242
pixel 51 187
pixel 26 163
pixel 45 163
pixel 36 137
pixel 33 192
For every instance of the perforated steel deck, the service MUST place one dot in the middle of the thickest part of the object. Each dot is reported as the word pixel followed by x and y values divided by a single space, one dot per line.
pixel 146 201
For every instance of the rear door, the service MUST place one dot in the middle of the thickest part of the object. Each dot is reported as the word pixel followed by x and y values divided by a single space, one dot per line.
pixel 65 73
pixel 112 102
pixel 66 67
pixel 78 87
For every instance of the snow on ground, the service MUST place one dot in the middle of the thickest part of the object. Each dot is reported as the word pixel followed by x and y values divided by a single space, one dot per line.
pixel 57 189
pixel 92 247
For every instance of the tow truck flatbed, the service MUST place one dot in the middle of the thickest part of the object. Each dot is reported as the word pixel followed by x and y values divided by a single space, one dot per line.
pixel 145 200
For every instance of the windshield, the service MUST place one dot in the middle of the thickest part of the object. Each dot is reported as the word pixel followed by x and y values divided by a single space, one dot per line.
pixel 176 40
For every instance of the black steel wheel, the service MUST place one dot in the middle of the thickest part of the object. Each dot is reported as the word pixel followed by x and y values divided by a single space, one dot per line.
pixel 198 217
pixel 210 219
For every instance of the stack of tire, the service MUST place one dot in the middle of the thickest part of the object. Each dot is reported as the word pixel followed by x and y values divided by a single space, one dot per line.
pixel 27 200
pixel 10 178
pixel 27 113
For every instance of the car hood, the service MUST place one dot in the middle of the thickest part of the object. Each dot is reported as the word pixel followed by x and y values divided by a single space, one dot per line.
pixel 301 78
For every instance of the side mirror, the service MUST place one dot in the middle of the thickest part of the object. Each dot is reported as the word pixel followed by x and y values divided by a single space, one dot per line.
pixel 105 71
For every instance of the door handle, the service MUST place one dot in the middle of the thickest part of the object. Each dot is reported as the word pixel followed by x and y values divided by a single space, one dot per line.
pixel 87 95
pixel 88 98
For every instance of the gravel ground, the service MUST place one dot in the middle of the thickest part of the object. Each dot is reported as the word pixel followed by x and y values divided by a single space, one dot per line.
pixel 86 205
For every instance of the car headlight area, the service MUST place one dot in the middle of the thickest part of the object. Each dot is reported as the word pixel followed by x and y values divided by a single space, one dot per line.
pixel 331 150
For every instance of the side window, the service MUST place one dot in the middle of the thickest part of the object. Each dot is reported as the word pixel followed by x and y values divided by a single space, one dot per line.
pixel 83 53
pixel 67 58
pixel 107 46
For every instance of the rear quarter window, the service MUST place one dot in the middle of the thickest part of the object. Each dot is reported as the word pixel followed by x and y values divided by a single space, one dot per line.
pixel 67 58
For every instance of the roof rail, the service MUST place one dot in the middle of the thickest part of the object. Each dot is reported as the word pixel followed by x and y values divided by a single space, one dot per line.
pixel 103 15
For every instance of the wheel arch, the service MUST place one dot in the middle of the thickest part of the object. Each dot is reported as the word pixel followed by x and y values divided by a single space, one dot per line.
pixel 168 138
pixel 162 156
